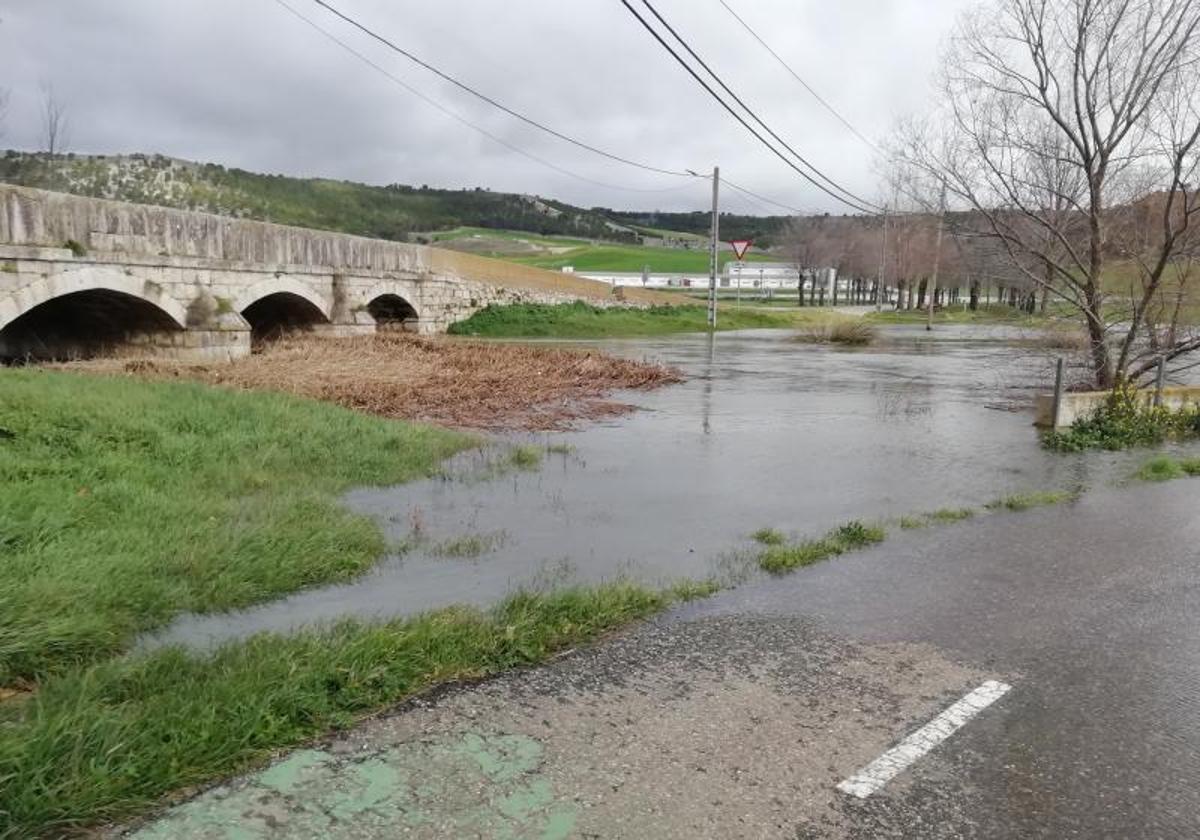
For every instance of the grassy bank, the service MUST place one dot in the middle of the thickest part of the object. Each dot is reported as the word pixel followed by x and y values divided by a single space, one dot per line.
pixel 124 503
pixel 103 742
pixel 956 314
pixel 581 320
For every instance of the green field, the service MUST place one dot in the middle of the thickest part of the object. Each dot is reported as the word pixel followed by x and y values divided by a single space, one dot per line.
pixel 581 320
pixel 124 503
pixel 555 252
pixel 515 236
pixel 633 258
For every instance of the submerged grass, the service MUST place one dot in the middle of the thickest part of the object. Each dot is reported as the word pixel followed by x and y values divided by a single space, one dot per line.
pixel 853 332
pixel 942 516
pixel 525 457
pixel 102 742
pixel 1025 501
pixel 1166 468
pixel 768 536
pixel 470 546
pixel 124 503
pixel 781 558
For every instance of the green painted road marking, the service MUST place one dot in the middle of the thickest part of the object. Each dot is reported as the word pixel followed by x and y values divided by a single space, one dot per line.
pixel 475 784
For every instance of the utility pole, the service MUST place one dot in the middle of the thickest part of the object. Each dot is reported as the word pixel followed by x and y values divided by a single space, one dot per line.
pixel 937 260
pixel 882 265
pixel 713 253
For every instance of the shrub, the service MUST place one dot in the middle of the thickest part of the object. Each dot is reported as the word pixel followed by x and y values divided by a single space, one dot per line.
pixel 849 332
pixel 1124 420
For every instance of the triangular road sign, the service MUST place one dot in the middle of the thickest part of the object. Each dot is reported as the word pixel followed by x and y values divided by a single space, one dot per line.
pixel 740 247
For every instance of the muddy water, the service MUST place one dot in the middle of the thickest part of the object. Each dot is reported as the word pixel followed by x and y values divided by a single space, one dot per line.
pixel 766 432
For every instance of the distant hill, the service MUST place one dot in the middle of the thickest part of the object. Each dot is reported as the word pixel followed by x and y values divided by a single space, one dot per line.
pixel 397 212
pixel 392 212
pixel 764 230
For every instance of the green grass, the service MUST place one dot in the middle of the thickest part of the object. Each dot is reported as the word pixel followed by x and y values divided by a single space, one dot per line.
pixel 1162 468
pixel 948 515
pixel 103 742
pixel 942 516
pixel 1026 501
pixel 124 503
pixel 633 258
pixel 581 320
pixel 1124 420
pixel 768 536
pixel 1166 468
pixel 508 235
pixel 995 313
pixel 693 590
pixel 778 558
pixel 525 457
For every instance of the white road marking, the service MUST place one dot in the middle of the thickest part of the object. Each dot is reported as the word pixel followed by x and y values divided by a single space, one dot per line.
pixel 893 762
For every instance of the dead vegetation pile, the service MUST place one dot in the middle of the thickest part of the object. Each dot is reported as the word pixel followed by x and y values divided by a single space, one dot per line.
pixel 455 383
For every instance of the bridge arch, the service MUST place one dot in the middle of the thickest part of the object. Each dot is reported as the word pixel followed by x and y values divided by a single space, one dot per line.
pixel 53 286
pixel 281 305
pixel 84 313
pixel 391 305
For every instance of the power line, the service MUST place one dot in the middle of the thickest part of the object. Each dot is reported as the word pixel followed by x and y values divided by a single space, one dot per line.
pixel 747 108
pixel 762 198
pixel 489 100
pixel 797 77
pixel 499 140
pixel 734 113
pixel 458 117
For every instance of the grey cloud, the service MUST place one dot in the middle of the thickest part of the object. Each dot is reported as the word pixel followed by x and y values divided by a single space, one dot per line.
pixel 243 83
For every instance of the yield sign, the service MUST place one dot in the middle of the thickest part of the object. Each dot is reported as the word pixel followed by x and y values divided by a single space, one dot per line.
pixel 740 247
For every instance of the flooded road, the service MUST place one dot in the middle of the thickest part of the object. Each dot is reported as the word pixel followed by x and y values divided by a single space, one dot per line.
pixel 766 432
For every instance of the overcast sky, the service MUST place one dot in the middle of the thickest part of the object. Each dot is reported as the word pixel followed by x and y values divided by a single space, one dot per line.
pixel 245 83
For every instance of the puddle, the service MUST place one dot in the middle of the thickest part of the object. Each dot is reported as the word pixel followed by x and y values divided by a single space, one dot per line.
pixel 766 432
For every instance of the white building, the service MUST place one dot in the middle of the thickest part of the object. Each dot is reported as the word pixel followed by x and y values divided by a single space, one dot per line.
pixel 736 275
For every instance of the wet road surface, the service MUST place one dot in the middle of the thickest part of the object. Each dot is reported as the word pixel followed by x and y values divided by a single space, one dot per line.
pixel 738 716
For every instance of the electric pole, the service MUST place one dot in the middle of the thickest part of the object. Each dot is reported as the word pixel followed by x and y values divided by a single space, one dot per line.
pixel 937 260
pixel 713 253
pixel 882 265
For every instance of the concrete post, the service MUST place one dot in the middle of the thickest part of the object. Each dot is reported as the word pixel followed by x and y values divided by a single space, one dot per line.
pixel 1058 392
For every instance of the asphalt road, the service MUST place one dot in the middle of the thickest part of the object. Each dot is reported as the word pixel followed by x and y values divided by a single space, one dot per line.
pixel 740 715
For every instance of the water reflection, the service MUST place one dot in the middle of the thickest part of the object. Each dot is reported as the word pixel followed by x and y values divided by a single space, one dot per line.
pixel 792 436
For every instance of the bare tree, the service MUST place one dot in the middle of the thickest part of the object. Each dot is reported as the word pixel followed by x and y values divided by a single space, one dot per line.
pixel 55 126
pixel 1056 118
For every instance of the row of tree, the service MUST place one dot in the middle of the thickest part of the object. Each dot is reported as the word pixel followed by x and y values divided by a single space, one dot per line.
pixel 1065 144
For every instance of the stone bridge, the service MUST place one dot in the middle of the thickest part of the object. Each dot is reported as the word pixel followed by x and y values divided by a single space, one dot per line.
pixel 81 276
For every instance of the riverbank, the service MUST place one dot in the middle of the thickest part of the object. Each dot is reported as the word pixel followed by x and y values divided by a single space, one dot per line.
pixel 581 320
pixel 125 502
pixel 995 313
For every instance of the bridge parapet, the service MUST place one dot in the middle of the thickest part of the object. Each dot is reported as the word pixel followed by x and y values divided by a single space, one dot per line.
pixel 80 275
pixel 48 219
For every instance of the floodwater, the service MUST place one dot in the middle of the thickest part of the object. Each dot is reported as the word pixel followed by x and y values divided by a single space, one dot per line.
pixel 766 432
